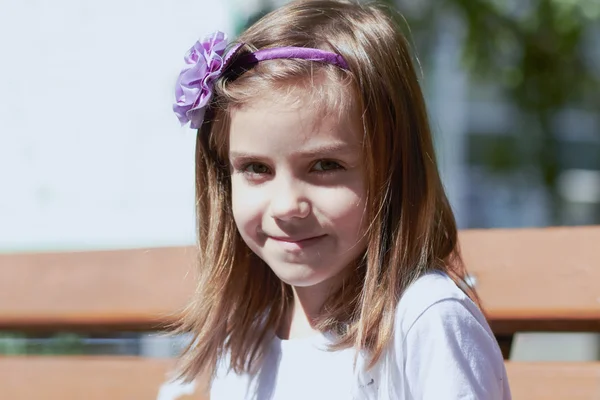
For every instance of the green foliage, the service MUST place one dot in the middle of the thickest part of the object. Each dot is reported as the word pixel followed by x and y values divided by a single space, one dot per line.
pixel 12 344
pixel 536 52
pixel 63 344
pixel 495 151
pixel 58 344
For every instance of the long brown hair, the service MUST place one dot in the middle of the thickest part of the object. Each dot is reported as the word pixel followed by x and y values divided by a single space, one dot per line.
pixel 239 301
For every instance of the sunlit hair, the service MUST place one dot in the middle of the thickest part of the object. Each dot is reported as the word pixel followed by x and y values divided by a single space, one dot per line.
pixel 239 301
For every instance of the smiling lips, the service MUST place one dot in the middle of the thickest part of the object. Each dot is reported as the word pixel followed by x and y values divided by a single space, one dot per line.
pixel 291 243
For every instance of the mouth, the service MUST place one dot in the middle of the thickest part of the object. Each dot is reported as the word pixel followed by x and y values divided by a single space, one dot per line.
pixel 296 243
pixel 286 239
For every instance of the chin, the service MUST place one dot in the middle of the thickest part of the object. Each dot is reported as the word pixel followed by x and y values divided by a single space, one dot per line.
pixel 299 275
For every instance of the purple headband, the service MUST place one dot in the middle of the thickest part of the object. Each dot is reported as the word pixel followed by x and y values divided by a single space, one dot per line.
pixel 206 61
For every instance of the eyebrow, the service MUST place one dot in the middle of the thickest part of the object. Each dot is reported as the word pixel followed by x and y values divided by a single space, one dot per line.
pixel 309 152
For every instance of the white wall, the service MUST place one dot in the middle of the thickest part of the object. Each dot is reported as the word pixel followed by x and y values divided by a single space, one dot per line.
pixel 91 155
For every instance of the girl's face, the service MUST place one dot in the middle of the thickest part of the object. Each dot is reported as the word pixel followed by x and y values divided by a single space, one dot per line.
pixel 298 188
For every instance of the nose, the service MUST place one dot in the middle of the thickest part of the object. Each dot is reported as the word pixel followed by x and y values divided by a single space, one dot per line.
pixel 288 201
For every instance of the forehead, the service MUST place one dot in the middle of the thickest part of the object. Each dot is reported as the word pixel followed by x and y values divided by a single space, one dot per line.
pixel 281 125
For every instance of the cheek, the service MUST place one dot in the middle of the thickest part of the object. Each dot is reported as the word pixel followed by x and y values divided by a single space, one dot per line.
pixel 349 214
pixel 345 210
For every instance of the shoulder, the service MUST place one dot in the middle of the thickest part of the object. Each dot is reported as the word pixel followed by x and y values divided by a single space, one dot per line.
pixel 443 337
pixel 433 296
pixel 434 308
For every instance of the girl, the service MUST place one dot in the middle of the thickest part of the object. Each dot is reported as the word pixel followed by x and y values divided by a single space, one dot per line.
pixel 327 248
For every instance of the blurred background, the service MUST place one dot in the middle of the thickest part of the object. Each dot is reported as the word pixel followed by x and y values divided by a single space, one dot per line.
pixel 92 157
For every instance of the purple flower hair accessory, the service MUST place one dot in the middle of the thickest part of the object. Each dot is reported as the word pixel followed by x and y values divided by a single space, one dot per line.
pixel 194 87
pixel 206 61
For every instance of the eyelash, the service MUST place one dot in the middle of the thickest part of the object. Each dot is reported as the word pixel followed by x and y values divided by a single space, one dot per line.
pixel 336 167
pixel 245 167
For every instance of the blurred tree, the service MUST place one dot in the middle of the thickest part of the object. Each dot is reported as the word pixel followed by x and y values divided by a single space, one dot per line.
pixel 537 51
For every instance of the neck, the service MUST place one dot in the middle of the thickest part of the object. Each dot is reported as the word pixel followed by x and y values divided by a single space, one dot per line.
pixel 306 308
pixel 300 319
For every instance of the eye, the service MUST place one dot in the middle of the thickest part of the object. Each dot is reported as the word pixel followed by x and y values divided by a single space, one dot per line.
pixel 256 168
pixel 326 165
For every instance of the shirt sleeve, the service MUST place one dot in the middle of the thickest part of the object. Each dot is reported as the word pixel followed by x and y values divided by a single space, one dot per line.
pixel 451 354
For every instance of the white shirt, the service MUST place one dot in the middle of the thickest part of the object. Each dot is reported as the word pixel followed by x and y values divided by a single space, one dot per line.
pixel 442 349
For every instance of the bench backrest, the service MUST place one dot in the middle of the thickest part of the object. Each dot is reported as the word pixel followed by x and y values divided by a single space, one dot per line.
pixel 528 280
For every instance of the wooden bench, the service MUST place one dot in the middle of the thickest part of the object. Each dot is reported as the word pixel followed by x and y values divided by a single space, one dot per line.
pixel 528 280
